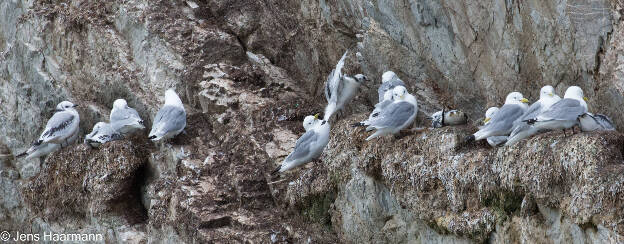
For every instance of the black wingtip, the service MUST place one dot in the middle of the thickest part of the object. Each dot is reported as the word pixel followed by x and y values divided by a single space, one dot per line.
pixel 276 170
pixel 37 143
pixel 530 121
pixel 469 138
pixel 21 155
pixel 151 137
pixel 358 124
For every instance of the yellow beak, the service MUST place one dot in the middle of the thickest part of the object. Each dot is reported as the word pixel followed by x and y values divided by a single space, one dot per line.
pixel 586 99
pixel 316 116
pixel 550 94
pixel 402 96
pixel 486 120
pixel 524 100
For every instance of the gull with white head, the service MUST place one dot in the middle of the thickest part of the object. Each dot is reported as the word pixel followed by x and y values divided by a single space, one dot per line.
pixel 523 130
pixel 564 114
pixel 61 130
pixel 389 80
pixel 501 122
pixel 170 119
pixel 394 117
pixel 308 147
pixel 125 119
pixel 595 122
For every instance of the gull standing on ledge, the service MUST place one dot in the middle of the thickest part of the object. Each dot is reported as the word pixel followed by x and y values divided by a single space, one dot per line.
pixel 308 147
pixel 395 117
pixel 389 80
pixel 340 89
pixel 563 114
pixel 523 130
pixel 124 119
pixel 61 130
pixel 502 122
pixel 170 119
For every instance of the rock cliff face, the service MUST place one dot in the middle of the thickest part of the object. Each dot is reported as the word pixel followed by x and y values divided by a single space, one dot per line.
pixel 249 71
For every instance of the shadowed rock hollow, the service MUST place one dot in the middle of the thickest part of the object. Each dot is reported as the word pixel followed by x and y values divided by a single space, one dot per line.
pixel 248 72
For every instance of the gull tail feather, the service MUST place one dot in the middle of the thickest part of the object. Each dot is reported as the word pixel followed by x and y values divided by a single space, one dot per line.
pixel 329 111
pixel 276 170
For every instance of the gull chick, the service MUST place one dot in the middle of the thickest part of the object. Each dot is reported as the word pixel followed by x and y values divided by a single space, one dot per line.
pixel 595 122
pixel 170 119
pixel 60 131
pixel 451 117
pixel 493 140
pixel 389 80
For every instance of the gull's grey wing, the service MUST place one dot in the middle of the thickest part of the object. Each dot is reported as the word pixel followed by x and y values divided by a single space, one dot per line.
pixel 604 121
pixel 59 124
pixel 123 114
pixel 531 113
pixel 170 118
pixel 504 118
pixel 394 115
pixel 303 145
pixel 566 109
pixel 388 85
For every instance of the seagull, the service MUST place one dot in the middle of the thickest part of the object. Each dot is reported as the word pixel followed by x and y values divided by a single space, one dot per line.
pixel 395 117
pixel 309 121
pixel 563 114
pixel 340 89
pixel 523 130
pixel 62 125
pixel 170 119
pixel 494 141
pixel 389 80
pixel 308 147
pixel 102 133
pixel 451 117
pixel 489 113
pixel 595 122
pixel 124 119
pixel 60 131
pixel 501 122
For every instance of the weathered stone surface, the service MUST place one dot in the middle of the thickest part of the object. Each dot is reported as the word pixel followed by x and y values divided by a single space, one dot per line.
pixel 470 191
pixel 81 181
pixel 249 71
